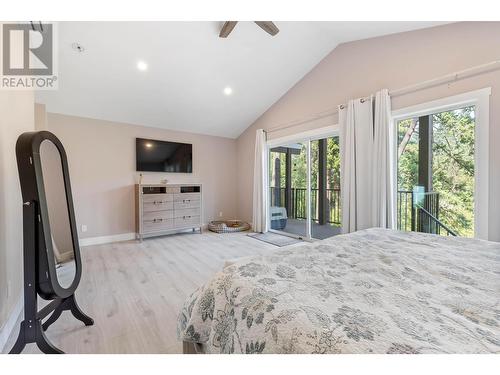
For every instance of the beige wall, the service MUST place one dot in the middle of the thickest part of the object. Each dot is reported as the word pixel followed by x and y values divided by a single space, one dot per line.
pixel 101 157
pixel 360 68
pixel 16 117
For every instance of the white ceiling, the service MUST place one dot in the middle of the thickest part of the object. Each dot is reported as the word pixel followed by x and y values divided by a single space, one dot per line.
pixel 188 68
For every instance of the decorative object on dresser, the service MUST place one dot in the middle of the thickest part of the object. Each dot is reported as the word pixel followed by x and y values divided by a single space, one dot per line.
pixel 165 209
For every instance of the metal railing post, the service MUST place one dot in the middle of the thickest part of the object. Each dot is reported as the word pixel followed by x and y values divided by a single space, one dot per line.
pixel 413 214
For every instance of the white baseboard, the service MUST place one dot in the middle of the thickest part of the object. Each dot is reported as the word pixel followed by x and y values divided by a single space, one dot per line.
pixel 116 238
pixel 106 239
pixel 10 324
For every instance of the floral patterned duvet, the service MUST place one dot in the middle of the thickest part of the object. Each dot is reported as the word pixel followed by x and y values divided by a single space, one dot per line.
pixel 373 291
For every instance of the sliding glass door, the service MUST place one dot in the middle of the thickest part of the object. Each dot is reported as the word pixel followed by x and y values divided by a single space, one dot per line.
pixel 304 188
pixel 325 188
pixel 288 189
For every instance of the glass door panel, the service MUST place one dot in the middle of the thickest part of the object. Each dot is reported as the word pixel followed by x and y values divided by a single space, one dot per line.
pixel 325 188
pixel 288 189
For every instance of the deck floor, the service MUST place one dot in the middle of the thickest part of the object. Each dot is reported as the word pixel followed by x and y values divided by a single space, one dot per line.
pixel 320 232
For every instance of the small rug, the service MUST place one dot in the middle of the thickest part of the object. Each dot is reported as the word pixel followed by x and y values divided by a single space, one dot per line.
pixel 274 239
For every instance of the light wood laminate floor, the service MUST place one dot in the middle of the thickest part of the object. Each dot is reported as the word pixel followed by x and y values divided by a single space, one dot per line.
pixel 134 291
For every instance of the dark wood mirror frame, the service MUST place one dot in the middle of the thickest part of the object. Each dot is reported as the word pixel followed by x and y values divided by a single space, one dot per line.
pixel 40 277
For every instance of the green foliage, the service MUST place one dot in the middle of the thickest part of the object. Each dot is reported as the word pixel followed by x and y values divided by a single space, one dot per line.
pixel 273 156
pixel 408 162
pixel 299 165
pixel 452 166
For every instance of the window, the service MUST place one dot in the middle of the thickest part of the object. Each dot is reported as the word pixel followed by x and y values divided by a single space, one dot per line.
pixel 442 166
pixel 436 173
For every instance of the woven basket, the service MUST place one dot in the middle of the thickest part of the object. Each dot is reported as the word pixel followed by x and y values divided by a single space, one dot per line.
pixel 228 226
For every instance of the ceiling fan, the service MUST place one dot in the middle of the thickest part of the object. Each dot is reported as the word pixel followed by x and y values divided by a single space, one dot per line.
pixel 268 26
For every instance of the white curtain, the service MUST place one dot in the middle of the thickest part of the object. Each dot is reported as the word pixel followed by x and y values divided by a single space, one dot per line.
pixel 260 191
pixel 356 138
pixel 384 166
pixel 366 157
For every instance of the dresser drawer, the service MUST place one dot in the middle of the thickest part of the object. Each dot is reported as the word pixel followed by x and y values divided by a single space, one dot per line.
pixel 187 196
pixel 187 221
pixel 157 205
pixel 157 198
pixel 157 225
pixel 150 216
pixel 186 205
pixel 187 212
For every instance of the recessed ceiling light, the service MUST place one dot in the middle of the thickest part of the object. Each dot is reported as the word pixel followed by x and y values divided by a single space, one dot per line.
pixel 228 90
pixel 142 66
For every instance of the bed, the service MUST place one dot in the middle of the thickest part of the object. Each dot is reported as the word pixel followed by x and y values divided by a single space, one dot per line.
pixel 373 291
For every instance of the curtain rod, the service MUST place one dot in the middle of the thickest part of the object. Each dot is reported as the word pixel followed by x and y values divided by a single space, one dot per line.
pixel 448 78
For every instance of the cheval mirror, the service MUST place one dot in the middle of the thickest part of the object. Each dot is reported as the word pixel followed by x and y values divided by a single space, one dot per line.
pixel 52 263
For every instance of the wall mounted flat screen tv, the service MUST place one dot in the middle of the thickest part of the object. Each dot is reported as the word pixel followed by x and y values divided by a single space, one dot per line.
pixel 162 156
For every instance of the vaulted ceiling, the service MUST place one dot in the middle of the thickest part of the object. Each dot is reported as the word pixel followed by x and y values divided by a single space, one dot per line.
pixel 187 67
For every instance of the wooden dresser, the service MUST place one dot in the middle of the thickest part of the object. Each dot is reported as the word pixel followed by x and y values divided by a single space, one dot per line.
pixel 162 209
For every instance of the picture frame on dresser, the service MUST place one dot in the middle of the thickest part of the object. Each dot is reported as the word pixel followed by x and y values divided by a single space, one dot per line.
pixel 162 209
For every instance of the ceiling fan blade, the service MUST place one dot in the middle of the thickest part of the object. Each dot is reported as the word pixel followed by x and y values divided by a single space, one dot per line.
pixel 268 26
pixel 227 28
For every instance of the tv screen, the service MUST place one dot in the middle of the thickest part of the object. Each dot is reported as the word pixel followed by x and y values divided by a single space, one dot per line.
pixel 161 156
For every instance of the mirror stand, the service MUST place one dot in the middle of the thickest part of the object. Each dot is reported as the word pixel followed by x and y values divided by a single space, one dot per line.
pixel 32 329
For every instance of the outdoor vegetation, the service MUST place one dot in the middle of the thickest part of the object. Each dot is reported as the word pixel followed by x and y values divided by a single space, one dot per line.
pixel 299 165
pixel 452 165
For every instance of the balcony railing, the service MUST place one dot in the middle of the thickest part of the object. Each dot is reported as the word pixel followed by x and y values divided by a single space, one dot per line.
pixel 422 216
pixel 298 206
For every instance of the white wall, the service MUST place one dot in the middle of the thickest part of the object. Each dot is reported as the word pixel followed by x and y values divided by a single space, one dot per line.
pixel 16 117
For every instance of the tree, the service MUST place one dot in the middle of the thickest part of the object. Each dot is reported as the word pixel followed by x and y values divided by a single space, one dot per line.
pixel 452 166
